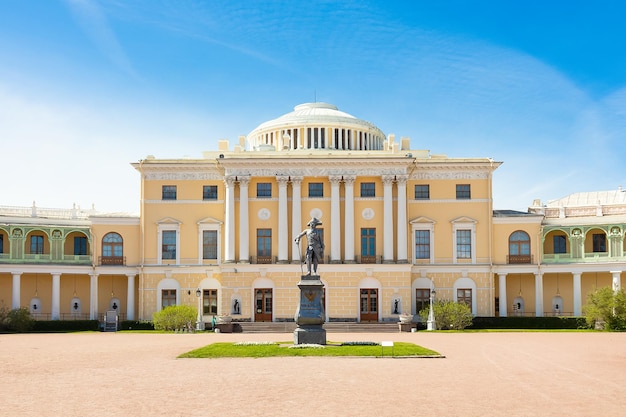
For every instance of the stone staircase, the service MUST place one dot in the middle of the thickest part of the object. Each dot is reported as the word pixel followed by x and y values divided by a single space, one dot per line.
pixel 334 327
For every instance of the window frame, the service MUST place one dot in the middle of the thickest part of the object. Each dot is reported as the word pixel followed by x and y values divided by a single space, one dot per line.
pixel 208 295
pixel 80 249
pixel 559 247
pixel 423 193
pixel 368 189
pixel 169 192
pixel 209 192
pixel 264 190
pixel 316 189
pixel 264 245
pixel 37 244
pixel 168 297
pixel 463 191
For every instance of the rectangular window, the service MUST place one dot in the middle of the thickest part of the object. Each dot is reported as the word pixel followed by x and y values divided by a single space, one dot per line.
pixel 209 302
pixel 464 244
pixel 559 244
pixel 422 192
pixel 316 189
pixel 168 244
pixel 599 242
pixel 368 245
pixel 264 246
pixel 1 243
pixel 168 192
pixel 368 189
pixel 464 295
pixel 209 244
pixel 36 244
pixel 209 192
pixel 422 244
pixel 422 299
pixel 168 298
pixel 463 192
pixel 264 190
pixel 80 245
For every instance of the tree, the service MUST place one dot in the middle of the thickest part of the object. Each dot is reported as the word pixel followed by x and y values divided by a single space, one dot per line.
pixel 175 318
pixel 606 308
pixel 449 315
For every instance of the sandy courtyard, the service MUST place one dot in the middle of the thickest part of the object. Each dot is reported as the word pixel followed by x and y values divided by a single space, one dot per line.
pixel 483 374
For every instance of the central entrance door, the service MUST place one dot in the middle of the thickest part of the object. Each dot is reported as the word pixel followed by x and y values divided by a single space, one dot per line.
pixel 263 304
pixel 369 305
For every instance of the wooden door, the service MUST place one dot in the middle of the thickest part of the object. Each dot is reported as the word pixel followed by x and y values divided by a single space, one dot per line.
pixel 369 305
pixel 263 304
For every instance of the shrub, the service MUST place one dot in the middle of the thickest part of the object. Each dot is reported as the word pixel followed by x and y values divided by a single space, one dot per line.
pixel 606 308
pixel 449 315
pixel 19 320
pixel 61 326
pixel 136 325
pixel 175 318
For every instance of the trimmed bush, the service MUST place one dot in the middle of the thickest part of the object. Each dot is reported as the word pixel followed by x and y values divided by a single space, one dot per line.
pixel 529 323
pixel 175 318
pixel 53 326
pixel 136 325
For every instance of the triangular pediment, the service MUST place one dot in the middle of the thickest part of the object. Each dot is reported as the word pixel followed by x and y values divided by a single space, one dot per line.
pixel 168 220
pixel 464 219
pixel 422 220
pixel 209 220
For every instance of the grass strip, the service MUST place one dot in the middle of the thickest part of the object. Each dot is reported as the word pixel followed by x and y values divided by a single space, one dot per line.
pixel 281 349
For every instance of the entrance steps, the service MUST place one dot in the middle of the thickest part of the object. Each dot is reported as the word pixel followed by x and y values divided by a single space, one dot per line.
pixel 334 327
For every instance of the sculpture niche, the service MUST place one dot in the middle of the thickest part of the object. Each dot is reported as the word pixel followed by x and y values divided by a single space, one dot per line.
pixel 310 312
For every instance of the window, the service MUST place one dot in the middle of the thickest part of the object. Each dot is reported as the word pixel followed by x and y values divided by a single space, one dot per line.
pixel 599 242
pixel 264 190
pixel 209 244
pixel 264 246
pixel 463 192
pixel 209 302
pixel 316 189
pixel 559 243
pixel 209 192
pixel 422 192
pixel 168 192
pixel 422 244
pixel 80 245
pixel 519 248
pixel 422 299
pixel 368 189
pixel 368 245
pixel 168 298
pixel 112 245
pixel 464 295
pixel 1 243
pixel 464 244
pixel 36 244
pixel 168 244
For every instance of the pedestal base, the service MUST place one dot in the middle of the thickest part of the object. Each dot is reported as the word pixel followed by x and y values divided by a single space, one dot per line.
pixel 309 334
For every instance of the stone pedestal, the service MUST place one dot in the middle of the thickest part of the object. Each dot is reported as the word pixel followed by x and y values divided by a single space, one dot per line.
pixel 310 313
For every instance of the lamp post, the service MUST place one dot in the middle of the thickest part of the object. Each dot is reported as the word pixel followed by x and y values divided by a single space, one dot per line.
pixel 431 324
pixel 199 321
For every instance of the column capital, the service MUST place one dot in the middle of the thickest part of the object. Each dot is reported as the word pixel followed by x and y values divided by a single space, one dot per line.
pixel 349 179
pixel 402 179
pixel 230 180
pixel 296 179
pixel 388 179
pixel 243 181
pixel 282 179
pixel 335 179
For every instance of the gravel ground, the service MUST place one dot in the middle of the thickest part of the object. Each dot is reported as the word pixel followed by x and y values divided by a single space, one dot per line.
pixel 482 374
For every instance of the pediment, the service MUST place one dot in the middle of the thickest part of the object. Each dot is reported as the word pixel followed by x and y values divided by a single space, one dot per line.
pixel 422 220
pixel 464 219
pixel 168 220
pixel 209 220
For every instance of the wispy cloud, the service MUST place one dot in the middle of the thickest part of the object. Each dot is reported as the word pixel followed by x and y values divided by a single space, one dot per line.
pixel 90 17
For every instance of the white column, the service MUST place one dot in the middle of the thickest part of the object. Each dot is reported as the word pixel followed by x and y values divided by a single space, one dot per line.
pixel 244 232
pixel 93 297
pixel 617 281
pixel 283 220
pixel 229 226
pixel 577 295
pixel 502 293
pixel 388 219
pixel 348 221
pixel 296 217
pixel 538 294
pixel 335 233
pixel 15 298
pixel 130 298
pixel 402 219
pixel 56 296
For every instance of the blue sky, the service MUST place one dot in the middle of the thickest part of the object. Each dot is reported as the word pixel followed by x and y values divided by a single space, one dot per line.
pixel 89 86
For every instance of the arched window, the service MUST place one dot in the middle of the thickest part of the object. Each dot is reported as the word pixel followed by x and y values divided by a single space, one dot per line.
pixel 112 249
pixel 519 248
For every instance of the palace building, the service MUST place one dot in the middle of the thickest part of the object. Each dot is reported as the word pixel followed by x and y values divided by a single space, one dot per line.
pixel 397 223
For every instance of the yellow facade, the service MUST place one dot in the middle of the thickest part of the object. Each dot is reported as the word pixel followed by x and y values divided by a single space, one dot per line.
pixel 397 223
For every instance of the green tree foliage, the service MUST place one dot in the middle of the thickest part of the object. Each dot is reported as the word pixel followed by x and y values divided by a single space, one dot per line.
pixel 175 318
pixel 449 315
pixel 17 320
pixel 606 308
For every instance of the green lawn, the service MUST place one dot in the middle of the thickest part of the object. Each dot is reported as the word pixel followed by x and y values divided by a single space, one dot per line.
pixel 233 350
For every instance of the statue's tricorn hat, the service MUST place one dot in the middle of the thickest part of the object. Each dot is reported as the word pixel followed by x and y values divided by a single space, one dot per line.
pixel 314 222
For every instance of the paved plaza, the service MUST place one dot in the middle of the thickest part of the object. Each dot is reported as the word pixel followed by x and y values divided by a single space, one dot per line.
pixel 482 374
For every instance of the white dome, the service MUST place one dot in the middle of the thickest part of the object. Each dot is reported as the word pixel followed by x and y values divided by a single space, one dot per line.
pixel 321 125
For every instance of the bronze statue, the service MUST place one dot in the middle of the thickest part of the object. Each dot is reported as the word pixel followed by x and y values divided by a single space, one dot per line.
pixel 315 245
